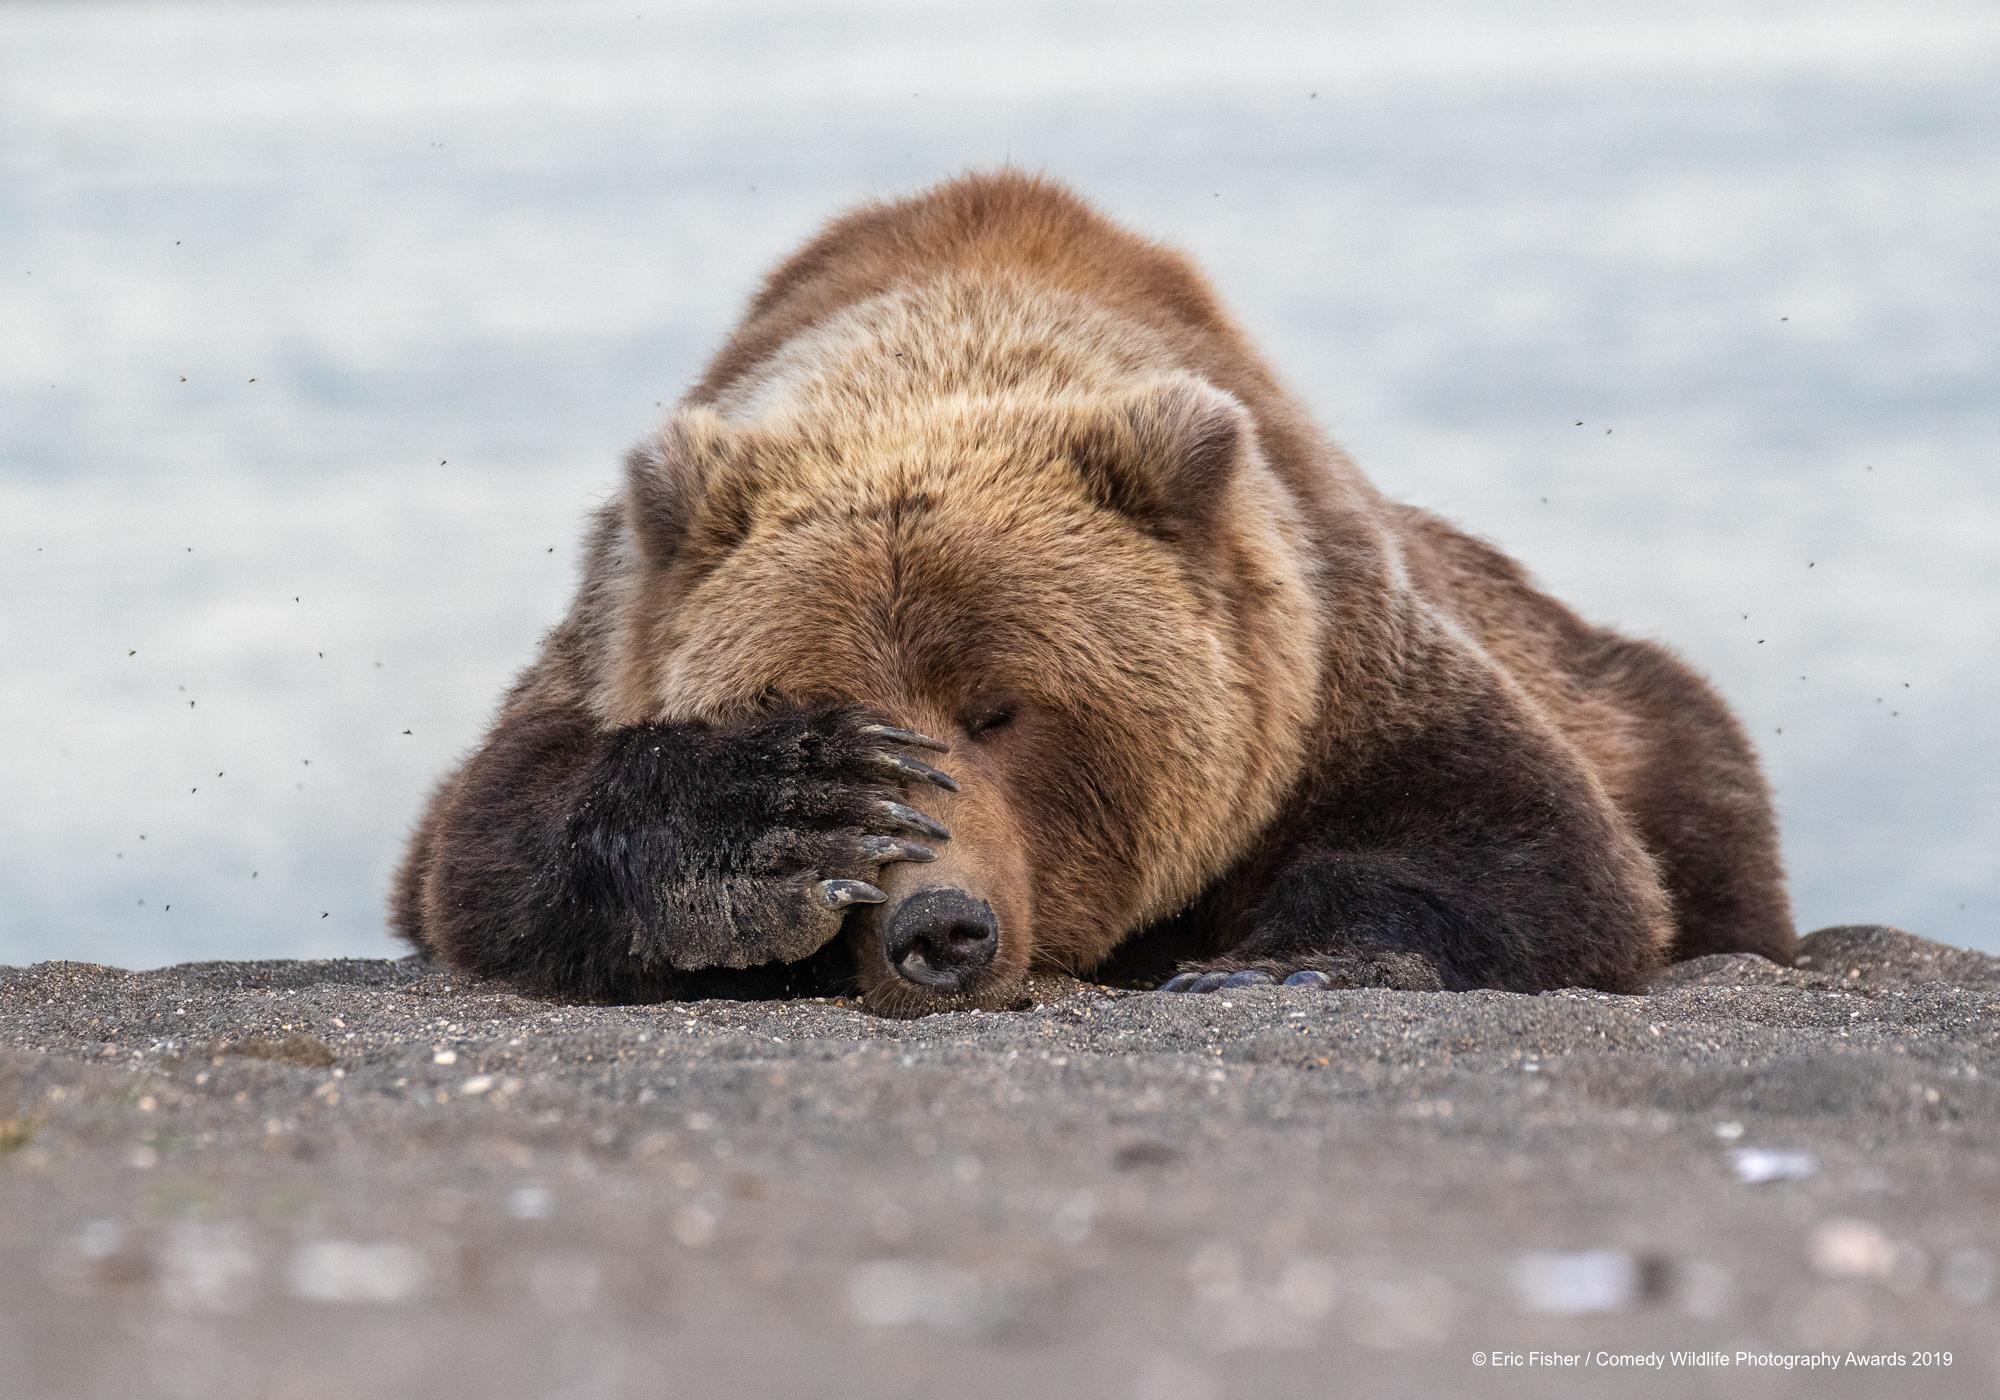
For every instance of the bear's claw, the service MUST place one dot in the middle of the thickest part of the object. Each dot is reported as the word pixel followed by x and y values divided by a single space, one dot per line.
pixel 888 848
pixel 838 894
pixel 903 769
pixel 895 823
pixel 1197 981
pixel 894 734
pixel 1247 977
pixel 910 819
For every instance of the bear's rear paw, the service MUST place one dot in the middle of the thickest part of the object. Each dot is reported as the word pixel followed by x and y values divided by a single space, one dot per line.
pixel 1399 971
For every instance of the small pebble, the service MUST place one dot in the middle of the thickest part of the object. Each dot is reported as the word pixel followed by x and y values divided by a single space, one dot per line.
pixel 530 1203
pixel 947 1301
pixel 1852 1249
pixel 350 1271
pixel 693 1225
pixel 1758 1165
pixel 1590 1281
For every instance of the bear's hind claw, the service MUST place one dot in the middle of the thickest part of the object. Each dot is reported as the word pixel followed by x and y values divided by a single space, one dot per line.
pixel 1243 977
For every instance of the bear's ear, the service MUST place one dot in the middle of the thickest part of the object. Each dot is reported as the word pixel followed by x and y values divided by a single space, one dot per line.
pixel 1164 453
pixel 681 486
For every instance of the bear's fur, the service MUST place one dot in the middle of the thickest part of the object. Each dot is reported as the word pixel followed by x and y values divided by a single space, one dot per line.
pixel 985 465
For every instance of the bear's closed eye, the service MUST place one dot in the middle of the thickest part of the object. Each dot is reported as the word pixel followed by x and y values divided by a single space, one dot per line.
pixel 985 719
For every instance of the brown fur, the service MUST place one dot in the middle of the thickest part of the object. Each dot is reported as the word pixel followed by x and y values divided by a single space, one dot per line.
pixel 983 451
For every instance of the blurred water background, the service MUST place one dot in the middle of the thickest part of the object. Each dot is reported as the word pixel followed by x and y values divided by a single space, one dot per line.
pixel 321 327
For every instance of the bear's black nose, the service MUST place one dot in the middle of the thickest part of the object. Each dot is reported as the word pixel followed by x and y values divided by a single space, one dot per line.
pixel 941 938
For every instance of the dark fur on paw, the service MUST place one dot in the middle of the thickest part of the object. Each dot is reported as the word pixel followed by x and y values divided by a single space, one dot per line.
pixel 747 844
pixel 1399 971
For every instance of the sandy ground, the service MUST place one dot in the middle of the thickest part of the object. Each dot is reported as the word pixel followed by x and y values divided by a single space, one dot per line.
pixel 372 1179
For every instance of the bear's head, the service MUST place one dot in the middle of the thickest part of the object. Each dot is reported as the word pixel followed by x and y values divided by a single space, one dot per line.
pixel 1100 602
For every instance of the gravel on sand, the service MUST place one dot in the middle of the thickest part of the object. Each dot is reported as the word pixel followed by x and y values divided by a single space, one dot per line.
pixel 377 1179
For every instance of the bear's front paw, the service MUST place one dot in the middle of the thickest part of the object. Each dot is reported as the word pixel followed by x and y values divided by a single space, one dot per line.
pixel 798 815
pixel 1399 971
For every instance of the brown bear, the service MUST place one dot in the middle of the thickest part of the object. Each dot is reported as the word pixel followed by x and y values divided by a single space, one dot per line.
pixel 990 603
